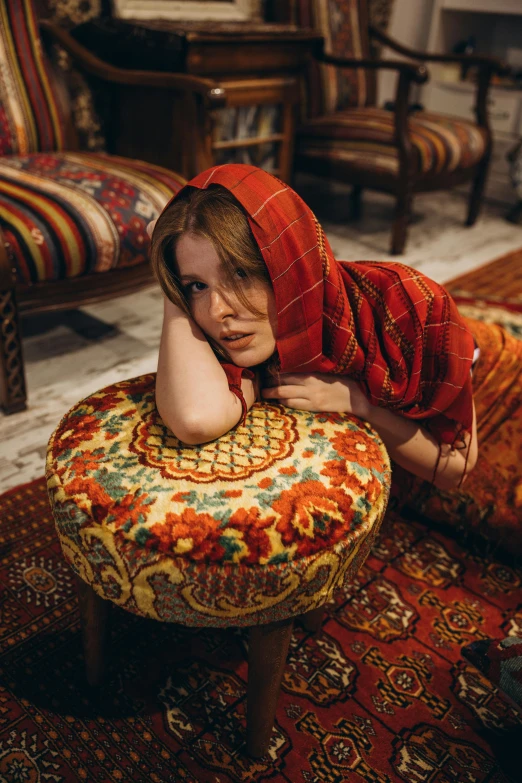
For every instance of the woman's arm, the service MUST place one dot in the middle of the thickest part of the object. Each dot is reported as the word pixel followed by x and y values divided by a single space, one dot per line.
pixel 416 450
pixel 407 442
pixel 192 392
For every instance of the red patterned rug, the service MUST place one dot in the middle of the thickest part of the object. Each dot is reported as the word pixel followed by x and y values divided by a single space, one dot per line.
pixel 493 292
pixel 382 694
pixel 498 281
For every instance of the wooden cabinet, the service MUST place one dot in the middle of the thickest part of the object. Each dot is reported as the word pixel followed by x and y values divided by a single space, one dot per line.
pixel 259 65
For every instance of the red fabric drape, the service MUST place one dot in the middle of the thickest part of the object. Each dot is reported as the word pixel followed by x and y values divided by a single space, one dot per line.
pixel 384 324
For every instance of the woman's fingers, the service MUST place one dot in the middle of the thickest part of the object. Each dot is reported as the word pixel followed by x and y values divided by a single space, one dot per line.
pixel 289 396
pixel 281 392
pixel 296 402
pixel 295 379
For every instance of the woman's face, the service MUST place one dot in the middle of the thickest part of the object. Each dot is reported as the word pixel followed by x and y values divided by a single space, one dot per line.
pixel 247 339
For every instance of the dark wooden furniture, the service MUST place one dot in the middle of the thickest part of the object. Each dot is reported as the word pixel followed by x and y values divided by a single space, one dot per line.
pixel 346 141
pixel 256 65
pixel 157 116
pixel 259 66
pixel 193 96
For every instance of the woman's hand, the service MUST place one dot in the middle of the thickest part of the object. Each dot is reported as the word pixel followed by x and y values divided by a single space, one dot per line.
pixel 173 311
pixel 319 392
pixel 408 444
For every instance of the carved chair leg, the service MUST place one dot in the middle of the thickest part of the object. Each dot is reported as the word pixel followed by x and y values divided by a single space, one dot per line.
pixel 93 620
pixel 267 651
pixel 356 202
pixel 12 378
pixel 477 192
pixel 312 620
pixel 400 224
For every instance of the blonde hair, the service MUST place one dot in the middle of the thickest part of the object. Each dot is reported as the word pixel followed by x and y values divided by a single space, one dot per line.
pixel 215 214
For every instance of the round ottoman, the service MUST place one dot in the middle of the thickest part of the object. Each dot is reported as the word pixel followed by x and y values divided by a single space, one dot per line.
pixel 253 529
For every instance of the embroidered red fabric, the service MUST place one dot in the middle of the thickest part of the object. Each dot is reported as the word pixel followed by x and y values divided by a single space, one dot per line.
pixel 386 325
pixel 234 375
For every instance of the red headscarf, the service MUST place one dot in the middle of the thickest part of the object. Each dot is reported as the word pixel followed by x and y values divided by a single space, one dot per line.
pixel 384 324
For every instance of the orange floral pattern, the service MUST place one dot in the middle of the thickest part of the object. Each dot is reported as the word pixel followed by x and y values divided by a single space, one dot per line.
pixel 130 499
pixel 312 516
pixel 359 452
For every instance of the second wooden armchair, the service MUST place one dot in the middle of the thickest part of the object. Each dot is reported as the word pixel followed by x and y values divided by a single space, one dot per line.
pixel 347 137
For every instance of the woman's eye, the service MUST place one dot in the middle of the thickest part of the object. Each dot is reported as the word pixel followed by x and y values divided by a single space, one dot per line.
pixel 194 287
pixel 241 273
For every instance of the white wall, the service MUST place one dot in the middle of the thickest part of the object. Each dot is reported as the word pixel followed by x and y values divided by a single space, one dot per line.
pixel 507 35
pixel 409 25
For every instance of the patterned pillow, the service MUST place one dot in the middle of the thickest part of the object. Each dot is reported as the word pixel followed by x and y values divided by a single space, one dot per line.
pixel 501 661
pixel 331 88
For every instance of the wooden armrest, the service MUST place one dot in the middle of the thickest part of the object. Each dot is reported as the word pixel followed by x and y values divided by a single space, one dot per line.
pixel 416 73
pixel 492 63
pixel 210 91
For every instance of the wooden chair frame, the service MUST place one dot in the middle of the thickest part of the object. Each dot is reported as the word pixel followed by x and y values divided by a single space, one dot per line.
pixel 408 181
pixel 162 94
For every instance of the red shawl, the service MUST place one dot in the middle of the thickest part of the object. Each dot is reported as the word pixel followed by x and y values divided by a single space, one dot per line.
pixel 384 324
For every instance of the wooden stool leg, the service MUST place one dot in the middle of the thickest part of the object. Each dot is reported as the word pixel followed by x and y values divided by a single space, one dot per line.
pixel 312 620
pixel 93 617
pixel 267 651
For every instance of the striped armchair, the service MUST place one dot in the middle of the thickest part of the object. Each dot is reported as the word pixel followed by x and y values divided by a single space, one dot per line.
pixel 72 223
pixel 345 136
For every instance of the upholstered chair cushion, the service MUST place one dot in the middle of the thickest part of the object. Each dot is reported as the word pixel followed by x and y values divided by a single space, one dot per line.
pixel 31 116
pixel 345 34
pixel 66 214
pixel 259 525
pixel 363 138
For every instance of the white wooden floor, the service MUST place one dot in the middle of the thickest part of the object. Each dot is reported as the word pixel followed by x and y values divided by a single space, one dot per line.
pixel 69 355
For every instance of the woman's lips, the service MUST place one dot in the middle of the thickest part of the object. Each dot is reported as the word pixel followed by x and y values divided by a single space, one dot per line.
pixel 241 342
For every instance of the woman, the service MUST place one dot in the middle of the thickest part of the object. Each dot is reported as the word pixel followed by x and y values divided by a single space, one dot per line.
pixel 251 282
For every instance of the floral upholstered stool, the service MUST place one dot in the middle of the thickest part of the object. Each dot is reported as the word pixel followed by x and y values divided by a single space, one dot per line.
pixel 253 529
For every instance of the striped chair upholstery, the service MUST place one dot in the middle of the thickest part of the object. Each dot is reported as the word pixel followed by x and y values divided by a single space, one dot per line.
pixel 62 214
pixel 345 33
pixel 31 116
pixel 344 136
pixel 363 137
pixel 66 214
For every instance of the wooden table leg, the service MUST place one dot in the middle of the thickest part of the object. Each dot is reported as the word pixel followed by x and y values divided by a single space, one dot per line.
pixel 312 620
pixel 93 621
pixel 267 651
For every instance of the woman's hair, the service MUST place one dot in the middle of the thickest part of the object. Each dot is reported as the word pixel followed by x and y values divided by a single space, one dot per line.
pixel 215 214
